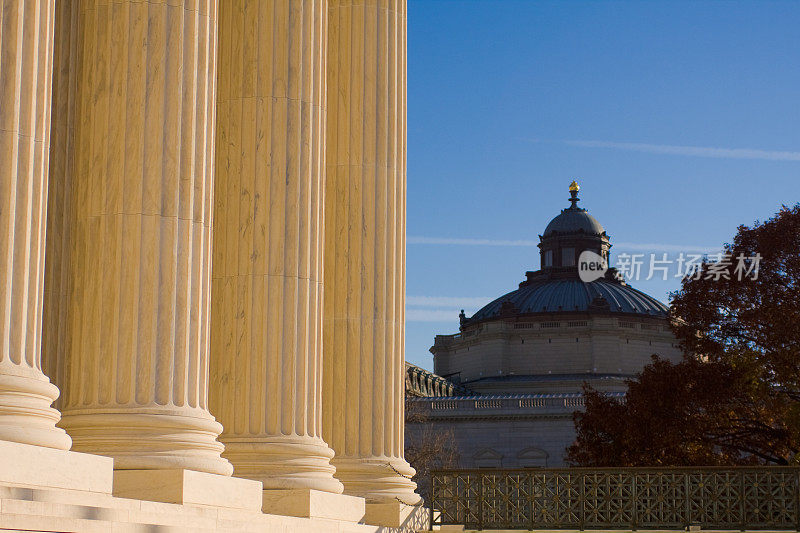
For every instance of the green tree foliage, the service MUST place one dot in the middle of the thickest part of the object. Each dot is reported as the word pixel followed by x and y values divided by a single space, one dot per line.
pixel 735 398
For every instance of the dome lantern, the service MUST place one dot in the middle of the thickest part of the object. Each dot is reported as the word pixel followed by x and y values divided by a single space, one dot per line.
pixel 573 231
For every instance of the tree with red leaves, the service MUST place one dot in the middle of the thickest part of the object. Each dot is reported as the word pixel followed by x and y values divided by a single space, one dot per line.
pixel 735 398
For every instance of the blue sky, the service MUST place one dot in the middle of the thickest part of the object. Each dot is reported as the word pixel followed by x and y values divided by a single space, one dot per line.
pixel 681 120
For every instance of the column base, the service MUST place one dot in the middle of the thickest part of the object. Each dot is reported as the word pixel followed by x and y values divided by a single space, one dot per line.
pixel 397 515
pixel 188 487
pixel 306 503
pixel 378 479
pixel 25 465
pixel 26 412
pixel 149 438
pixel 284 463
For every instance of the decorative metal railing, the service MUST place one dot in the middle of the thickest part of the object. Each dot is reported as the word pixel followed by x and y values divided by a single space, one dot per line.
pixel 742 498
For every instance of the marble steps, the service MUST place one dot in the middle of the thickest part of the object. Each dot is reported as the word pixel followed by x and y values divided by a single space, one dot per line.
pixel 30 509
pixel 62 510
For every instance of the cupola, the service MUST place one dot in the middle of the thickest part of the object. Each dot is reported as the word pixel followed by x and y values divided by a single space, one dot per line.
pixel 570 233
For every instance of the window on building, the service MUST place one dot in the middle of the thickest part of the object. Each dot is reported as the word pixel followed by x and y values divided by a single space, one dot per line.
pixel 548 258
pixel 488 458
pixel 568 257
pixel 532 458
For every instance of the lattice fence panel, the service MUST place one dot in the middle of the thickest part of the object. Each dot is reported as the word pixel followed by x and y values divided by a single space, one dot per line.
pixel 557 500
pixel 660 499
pixel 633 498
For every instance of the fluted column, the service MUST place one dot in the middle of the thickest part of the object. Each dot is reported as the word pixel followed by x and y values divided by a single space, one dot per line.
pixel 266 337
pixel 59 199
pixel 26 52
pixel 365 248
pixel 138 267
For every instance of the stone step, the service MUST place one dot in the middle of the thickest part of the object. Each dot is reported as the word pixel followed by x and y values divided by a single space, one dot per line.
pixel 47 510
pixel 52 516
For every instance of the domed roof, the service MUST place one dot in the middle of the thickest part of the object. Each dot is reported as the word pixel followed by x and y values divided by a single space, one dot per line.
pixel 571 295
pixel 573 220
pixel 558 288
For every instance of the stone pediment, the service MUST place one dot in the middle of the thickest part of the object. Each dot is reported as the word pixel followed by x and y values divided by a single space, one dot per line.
pixel 487 453
pixel 488 458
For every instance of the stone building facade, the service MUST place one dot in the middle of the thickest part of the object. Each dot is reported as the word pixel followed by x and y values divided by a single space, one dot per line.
pixel 421 383
pixel 525 356
pixel 203 215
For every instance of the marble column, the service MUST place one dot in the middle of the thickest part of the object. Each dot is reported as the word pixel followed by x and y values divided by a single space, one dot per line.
pixel 26 53
pixel 59 199
pixel 266 342
pixel 135 342
pixel 365 248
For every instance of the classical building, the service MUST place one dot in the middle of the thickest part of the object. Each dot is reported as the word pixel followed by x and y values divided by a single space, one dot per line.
pixel 421 383
pixel 525 356
pixel 203 243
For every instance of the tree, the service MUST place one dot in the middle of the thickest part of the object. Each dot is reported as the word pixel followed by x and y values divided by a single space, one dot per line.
pixel 690 413
pixel 735 398
pixel 752 324
pixel 429 448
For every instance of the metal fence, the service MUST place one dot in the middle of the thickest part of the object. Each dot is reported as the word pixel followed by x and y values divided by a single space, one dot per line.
pixel 741 498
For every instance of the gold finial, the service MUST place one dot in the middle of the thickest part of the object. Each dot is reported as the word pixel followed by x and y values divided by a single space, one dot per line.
pixel 573 194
